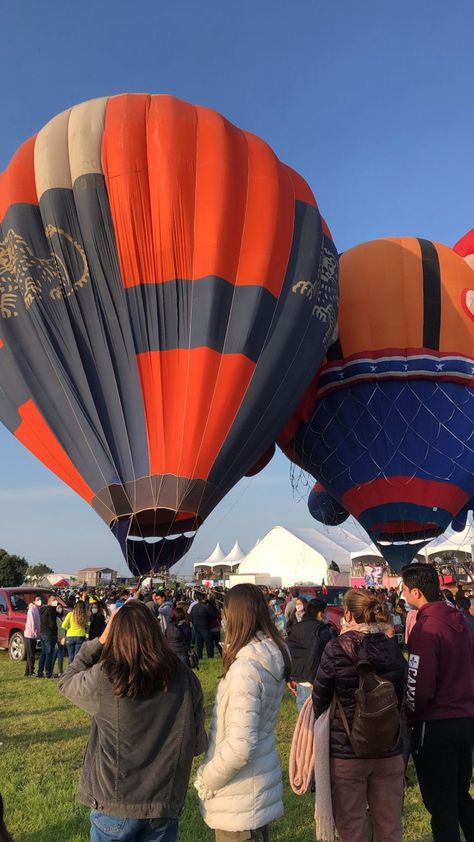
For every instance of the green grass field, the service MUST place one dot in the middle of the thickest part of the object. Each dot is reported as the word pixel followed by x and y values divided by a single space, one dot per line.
pixel 43 739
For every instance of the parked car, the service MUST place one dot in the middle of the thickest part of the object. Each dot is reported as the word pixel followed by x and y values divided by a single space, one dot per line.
pixel 13 609
pixel 333 596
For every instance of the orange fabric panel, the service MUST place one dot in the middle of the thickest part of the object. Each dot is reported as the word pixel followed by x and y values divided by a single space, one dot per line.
pixel 191 195
pixel 303 192
pixel 125 165
pixel 191 397
pixel 456 334
pixel 38 437
pixel 269 219
pixel 17 181
pixel 221 196
pixel 381 296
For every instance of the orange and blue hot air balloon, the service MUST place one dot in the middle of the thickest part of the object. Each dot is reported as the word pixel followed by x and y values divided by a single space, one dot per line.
pixel 387 427
pixel 164 279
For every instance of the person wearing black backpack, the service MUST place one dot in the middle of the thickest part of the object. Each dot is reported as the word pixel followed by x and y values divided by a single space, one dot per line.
pixel 306 641
pixel 362 677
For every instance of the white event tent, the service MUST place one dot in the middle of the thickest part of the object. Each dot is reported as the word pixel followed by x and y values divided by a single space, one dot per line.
pixel 285 558
pixel 220 562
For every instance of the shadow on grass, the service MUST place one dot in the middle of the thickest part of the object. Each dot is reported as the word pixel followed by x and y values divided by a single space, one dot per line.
pixel 74 827
pixel 14 714
pixel 58 735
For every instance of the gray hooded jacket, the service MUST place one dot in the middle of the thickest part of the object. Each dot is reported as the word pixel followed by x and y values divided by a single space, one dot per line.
pixel 140 751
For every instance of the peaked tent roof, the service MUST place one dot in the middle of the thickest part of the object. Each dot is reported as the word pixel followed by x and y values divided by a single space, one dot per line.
pixel 335 545
pixel 283 555
pixel 236 554
pixel 451 541
pixel 218 555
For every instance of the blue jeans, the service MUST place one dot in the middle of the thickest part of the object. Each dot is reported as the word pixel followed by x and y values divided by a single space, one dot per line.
pixel 204 636
pixel 58 655
pixel 73 644
pixel 302 693
pixel 46 656
pixel 106 828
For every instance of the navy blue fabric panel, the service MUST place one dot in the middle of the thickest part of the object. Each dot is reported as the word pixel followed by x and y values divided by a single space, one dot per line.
pixel 39 345
pixel 145 557
pixel 296 340
pixel 391 428
pixel 326 509
pixel 105 308
pixel 398 555
pixel 209 312
pixel 399 515
pixel 68 344
pixel 431 294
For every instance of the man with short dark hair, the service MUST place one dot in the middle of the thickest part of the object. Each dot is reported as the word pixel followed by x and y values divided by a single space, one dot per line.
pixel 201 620
pixel 153 603
pixel 48 636
pixel 440 704
pixel 164 610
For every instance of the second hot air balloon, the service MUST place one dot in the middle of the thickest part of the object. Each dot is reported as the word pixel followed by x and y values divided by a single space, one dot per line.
pixel 388 425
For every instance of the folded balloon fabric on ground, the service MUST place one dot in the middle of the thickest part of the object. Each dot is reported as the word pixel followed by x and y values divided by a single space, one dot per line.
pixel 164 281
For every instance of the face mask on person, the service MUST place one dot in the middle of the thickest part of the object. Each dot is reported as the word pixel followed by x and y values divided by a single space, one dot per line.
pixel 38 603
pixel 54 602
pixel 94 610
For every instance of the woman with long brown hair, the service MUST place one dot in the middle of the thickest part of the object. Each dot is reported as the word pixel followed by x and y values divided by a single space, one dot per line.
pixel 147 725
pixel 374 777
pixel 239 783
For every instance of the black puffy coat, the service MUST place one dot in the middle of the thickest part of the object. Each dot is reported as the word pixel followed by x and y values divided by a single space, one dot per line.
pixel 337 673
pixel 306 641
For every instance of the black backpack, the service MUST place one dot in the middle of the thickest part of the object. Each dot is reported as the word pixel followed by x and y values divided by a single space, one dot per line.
pixel 376 724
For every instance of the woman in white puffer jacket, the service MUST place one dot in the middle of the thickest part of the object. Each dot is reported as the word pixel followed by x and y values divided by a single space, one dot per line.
pixel 239 783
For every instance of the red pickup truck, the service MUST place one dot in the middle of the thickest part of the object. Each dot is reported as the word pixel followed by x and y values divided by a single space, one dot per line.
pixel 13 609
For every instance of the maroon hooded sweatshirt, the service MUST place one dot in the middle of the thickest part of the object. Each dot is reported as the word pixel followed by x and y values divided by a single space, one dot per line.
pixel 440 666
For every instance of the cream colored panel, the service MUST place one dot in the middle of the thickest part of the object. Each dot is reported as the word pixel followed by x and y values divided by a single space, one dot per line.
pixel 86 126
pixel 52 155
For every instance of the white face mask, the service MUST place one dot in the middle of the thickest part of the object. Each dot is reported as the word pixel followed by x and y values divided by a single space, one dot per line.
pixel 38 603
pixel 54 602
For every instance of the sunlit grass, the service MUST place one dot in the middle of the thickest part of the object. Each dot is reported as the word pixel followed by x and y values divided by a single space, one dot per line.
pixel 43 740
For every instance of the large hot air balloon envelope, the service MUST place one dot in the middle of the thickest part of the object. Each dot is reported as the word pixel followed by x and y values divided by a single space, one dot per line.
pixel 164 280
pixel 388 426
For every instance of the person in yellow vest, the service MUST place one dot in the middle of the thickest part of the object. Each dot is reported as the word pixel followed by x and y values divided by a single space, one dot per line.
pixel 76 624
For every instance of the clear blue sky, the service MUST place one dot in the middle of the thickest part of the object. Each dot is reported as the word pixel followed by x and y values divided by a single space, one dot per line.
pixel 370 101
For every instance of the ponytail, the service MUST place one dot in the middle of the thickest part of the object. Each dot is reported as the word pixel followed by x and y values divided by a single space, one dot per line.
pixel 365 607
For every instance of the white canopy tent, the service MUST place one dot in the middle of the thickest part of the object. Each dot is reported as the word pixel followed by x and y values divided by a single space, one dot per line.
pixel 286 557
pixel 451 541
pixel 235 556
pixel 217 556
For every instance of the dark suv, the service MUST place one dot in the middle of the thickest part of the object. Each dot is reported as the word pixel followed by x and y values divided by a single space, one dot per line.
pixel 13 608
